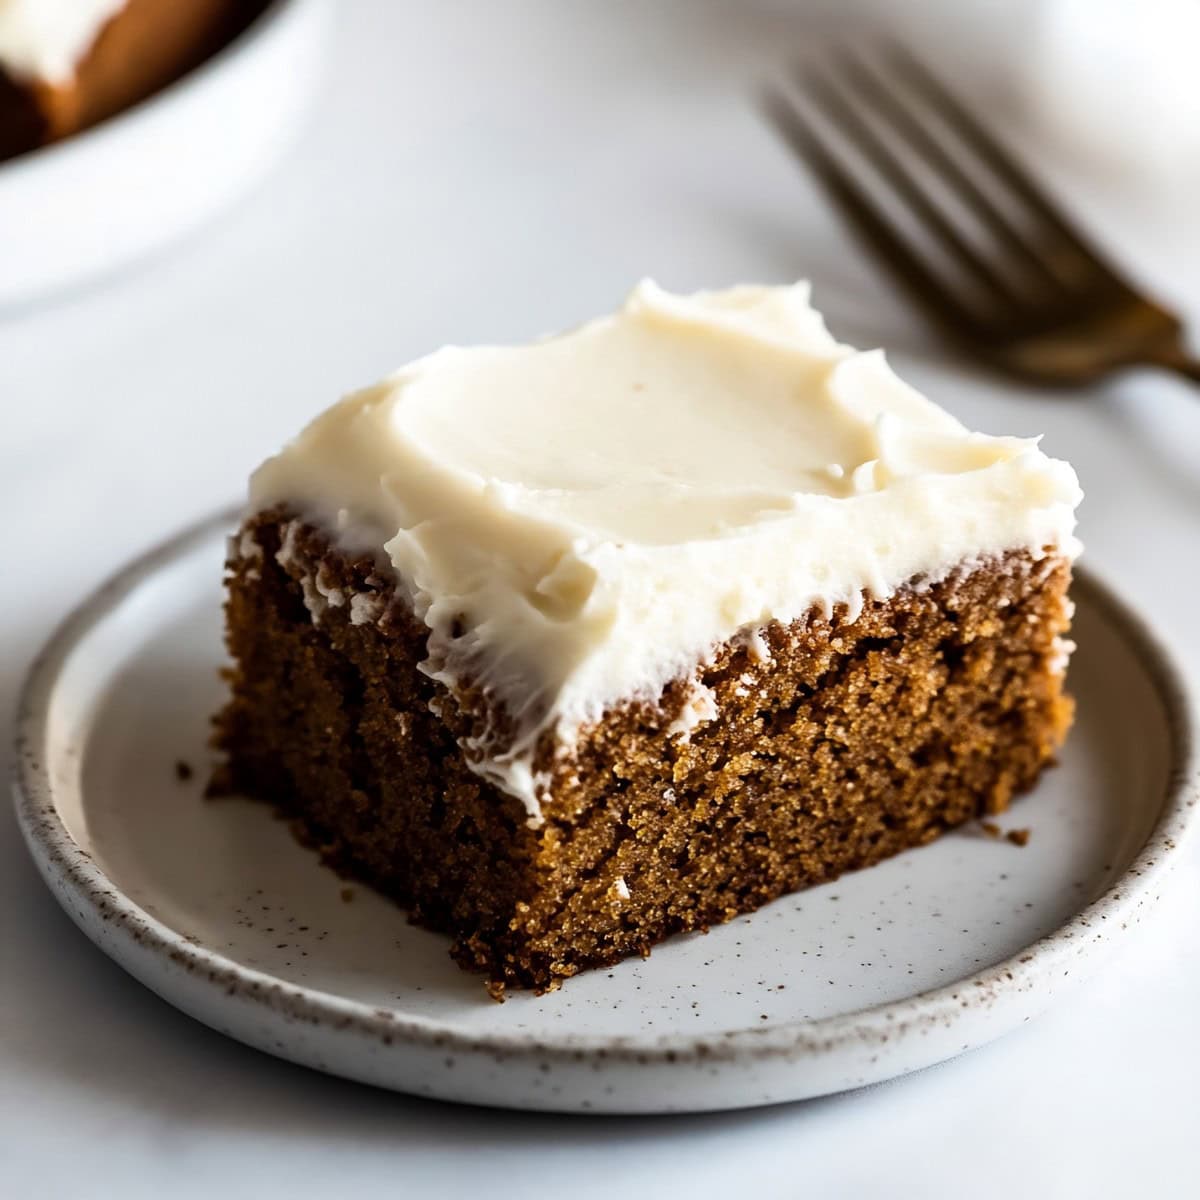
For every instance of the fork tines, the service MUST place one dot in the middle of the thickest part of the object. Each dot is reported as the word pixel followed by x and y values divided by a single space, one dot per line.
pixel 948 209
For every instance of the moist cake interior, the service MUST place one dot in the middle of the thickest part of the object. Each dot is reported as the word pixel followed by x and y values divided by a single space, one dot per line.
pixel 830 745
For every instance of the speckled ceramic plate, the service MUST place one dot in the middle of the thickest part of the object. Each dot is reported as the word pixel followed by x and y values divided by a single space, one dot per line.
pixel 215 907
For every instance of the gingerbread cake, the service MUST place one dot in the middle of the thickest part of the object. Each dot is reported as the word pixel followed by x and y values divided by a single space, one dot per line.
pixel 573 646
pixel 67 64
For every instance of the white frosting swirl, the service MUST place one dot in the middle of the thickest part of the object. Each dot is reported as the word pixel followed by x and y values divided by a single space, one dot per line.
pixel 582 520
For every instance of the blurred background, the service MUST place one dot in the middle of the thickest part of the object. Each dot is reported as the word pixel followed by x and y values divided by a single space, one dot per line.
pixel 481 172
pixel 475 172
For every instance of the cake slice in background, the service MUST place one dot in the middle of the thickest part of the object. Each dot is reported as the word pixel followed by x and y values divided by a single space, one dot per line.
pixel 67 64
pixel 573 646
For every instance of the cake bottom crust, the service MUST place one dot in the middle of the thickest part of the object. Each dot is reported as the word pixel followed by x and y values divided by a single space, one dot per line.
pixel 835 744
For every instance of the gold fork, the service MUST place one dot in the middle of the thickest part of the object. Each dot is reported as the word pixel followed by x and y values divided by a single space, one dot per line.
pixel 987 254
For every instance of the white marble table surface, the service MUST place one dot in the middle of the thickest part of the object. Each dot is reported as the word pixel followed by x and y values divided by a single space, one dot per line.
pixel 488 172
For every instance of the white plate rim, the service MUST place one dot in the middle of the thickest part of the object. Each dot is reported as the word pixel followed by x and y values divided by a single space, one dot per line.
pixel 74 878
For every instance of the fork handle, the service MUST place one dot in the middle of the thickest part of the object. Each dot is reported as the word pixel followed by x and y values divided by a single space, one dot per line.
pixel 1176 358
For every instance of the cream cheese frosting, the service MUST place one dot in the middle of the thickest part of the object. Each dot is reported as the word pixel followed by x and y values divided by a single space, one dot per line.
pixel 582 520
pixel 44 40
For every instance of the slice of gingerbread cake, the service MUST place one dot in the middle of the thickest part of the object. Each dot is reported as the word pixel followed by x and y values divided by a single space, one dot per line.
pixel 573 646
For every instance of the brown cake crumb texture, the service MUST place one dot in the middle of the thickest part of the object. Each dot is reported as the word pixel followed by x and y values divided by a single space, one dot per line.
pixel 845 742
pixel 1018 837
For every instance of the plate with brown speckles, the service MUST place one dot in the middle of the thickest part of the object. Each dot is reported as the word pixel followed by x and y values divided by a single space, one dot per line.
pixel 220 911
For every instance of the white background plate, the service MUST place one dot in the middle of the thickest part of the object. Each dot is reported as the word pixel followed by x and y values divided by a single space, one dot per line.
pixel 89 204
pixel 215 907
